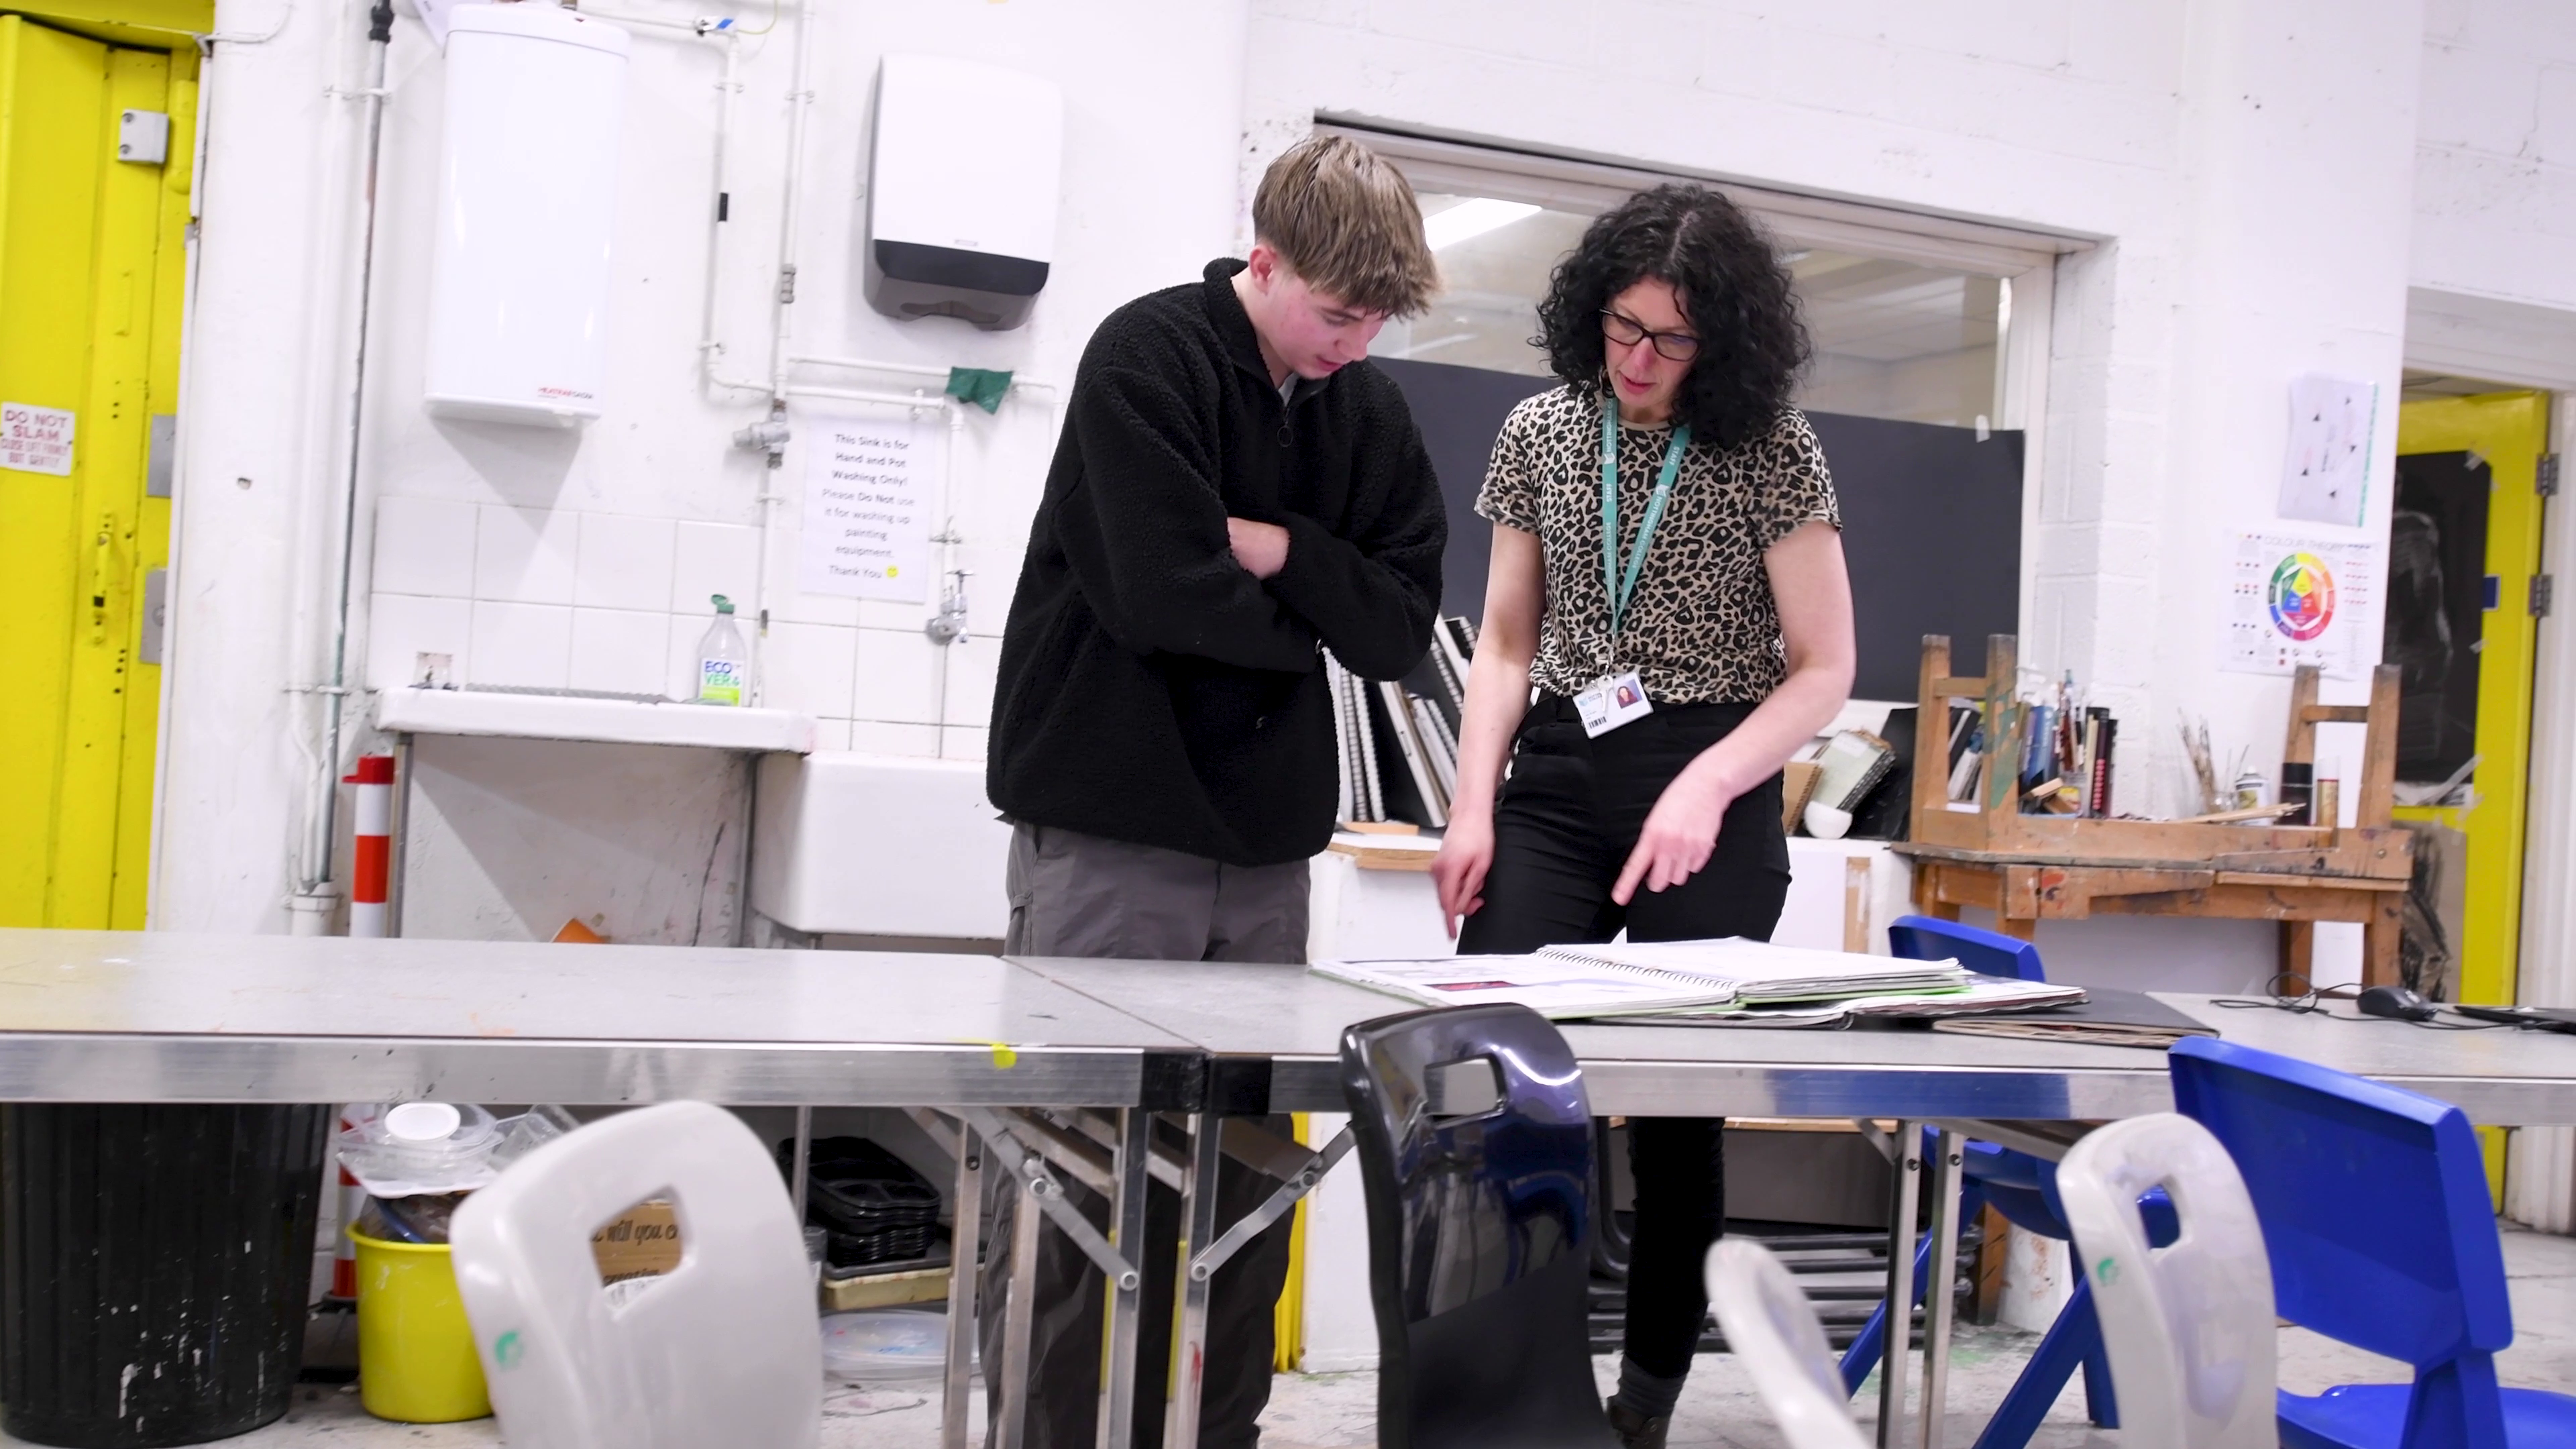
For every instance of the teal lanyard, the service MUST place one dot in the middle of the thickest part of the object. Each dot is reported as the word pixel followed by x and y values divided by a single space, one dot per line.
pixel 1622 589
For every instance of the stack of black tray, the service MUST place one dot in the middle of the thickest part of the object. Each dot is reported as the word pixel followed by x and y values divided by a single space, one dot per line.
pixel 872 1207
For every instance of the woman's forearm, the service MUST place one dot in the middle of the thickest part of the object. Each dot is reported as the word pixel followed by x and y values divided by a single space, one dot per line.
pixel 1778 728
pixel 1497 697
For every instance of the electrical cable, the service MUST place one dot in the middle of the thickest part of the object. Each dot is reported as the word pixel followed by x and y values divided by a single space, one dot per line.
pixel 2315 998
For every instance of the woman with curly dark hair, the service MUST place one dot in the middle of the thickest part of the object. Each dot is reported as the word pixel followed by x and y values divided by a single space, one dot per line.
pixel 1668 571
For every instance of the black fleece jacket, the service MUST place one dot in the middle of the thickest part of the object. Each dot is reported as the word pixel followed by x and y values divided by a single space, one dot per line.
pixel 1152 690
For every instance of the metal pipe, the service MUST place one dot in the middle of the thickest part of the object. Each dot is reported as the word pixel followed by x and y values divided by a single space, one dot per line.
pixel 947 540
pixel 721 212
pixel 800 100
pixel 966 1218
pixel 1940 1303
pixel 1126 1300
pixel 803 1169
pixel 1006 1398
pixel 322 814
pixel 1900 1284
pixel 905 369
pixel 1190 1312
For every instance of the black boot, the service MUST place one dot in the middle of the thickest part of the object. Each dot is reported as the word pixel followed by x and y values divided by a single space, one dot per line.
pixel 1636 1431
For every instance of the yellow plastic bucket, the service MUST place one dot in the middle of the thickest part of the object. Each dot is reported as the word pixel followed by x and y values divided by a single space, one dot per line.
pixel 416 1361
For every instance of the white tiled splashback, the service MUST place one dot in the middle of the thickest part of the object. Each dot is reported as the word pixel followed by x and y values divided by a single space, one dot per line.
pixel 568 599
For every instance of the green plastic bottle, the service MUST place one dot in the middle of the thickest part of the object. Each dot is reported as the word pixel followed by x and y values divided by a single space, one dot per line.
pixel 724 665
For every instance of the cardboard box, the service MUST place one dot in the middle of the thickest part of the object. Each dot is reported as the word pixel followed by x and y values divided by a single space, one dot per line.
pixel 1797 784
pixel 641 1242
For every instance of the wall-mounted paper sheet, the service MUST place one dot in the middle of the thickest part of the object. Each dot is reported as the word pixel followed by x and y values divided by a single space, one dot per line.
pixel 2298 599
pixel 870 484
pixel 2327 472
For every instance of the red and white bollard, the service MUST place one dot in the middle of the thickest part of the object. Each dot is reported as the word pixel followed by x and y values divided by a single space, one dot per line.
pixel 344 1252
pixel 372 856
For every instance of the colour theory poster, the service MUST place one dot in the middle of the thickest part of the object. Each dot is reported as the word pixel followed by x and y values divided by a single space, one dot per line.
pixel 2295 600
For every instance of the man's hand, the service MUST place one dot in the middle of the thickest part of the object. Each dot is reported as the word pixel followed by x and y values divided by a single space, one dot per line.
pixel 1262 548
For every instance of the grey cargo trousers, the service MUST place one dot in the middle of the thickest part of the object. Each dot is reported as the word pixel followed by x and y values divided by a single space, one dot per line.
pixel 1080 895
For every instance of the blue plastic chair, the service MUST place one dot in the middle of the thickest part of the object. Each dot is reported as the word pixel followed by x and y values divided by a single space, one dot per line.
pixel 2023 1189
pixel 2375 1210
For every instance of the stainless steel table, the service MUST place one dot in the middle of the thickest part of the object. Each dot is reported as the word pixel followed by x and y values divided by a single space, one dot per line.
pixel 127 1017
pixel 1287 1023
pixel 168 1017
pixel 1273 1034
pixel 2507 1077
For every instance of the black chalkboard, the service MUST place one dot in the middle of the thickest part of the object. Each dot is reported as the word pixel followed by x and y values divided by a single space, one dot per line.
pixel 1931 517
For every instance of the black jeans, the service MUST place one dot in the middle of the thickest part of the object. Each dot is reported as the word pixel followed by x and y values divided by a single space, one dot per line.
pixel 1563 827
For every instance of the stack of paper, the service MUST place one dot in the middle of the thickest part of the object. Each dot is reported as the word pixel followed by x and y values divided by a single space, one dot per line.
pixel 1763 973
pixel 1557 989
pixel 1982 998
pixel 1573 982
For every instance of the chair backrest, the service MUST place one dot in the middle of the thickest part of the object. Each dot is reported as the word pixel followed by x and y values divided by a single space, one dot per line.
pixel 1475 1147
pixel 725 1349
pixel 2189 1326
pixel 1921 938
pixel 2373 1198
pixel 1769 1325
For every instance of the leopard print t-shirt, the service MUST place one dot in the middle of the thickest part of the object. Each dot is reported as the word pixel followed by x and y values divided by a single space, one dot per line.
pixel 1703 627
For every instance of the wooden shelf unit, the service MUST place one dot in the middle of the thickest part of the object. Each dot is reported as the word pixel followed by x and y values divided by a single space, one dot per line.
pixel 2029 867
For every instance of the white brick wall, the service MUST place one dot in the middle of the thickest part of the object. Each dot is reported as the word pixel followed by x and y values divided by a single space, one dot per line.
pixel 2249 189
pixel 2495 154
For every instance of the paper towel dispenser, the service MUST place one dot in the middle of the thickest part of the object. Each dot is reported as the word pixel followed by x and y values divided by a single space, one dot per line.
pixel 962 188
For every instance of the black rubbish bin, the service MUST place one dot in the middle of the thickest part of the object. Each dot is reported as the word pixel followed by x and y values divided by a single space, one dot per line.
pixel 155 1264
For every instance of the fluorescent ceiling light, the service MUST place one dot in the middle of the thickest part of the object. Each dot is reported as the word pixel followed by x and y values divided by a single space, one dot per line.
pixel 1473 217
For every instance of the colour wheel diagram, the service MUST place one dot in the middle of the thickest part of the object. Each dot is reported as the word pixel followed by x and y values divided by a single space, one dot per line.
pixel 2302 596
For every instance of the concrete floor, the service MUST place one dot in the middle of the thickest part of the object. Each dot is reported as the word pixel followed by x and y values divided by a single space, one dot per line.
pixel 1720 1410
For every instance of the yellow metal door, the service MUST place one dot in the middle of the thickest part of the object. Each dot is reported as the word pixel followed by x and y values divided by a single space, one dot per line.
pixel 91 269
pixel 2488 445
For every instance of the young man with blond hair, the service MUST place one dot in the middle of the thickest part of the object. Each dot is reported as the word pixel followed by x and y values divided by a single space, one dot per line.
pixel 1235 491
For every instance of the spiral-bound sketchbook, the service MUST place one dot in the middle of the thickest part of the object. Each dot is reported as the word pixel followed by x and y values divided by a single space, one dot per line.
pixel 1762 973
pixel 1557 989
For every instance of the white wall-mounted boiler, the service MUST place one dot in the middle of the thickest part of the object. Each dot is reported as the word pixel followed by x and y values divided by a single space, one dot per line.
pixel 527 204
pixel 963 179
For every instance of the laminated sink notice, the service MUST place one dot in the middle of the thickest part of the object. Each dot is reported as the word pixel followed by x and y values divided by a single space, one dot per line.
pixel 871 483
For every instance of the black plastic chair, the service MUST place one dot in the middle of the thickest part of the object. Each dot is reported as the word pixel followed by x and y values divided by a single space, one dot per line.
pixel 1475 1147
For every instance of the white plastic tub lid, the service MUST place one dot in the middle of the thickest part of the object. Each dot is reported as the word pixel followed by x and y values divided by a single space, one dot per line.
pixel 423 1121
pixel 884 1345
pixel 537 20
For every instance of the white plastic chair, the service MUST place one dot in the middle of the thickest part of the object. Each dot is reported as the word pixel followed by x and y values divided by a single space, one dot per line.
pixel 725 1349
pixel 1768 1325
pixel 2189 1327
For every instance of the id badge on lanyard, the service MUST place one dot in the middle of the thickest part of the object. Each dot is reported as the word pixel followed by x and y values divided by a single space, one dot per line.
pixel 1620 698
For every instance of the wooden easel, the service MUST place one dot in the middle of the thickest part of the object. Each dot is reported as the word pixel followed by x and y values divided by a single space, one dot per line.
pixel 2030 868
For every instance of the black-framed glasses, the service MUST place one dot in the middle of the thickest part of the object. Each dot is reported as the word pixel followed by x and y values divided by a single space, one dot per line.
pixel 1628 332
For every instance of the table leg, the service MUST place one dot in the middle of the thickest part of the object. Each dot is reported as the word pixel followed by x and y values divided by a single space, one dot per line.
pixel 1940 1303
pixel 1927 892
pixel 2298 949
pixel 1127 1171
pixel 1898 1355
pixel 2020 928
pixel 1013 1383
pixel 1198 1229
pixel 965 1226
pixel 2379 936
pixel 803 1167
